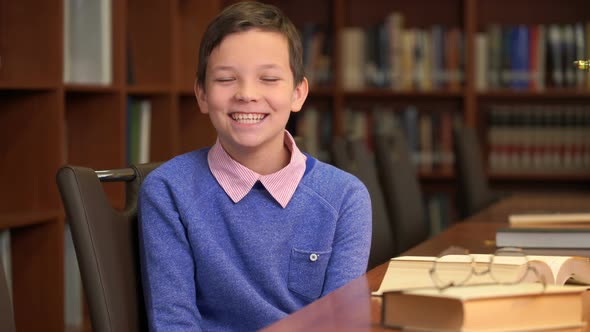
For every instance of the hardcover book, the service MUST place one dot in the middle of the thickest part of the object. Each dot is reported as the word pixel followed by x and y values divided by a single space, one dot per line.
pixel 519 307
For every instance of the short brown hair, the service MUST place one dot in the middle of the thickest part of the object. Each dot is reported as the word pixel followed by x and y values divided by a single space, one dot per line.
pixel 244 16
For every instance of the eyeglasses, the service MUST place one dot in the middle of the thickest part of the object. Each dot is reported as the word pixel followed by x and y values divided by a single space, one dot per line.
pixel 456 267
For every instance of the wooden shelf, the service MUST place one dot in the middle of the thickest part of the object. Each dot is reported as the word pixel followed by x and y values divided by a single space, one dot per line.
pixel 27 86
pixel 149 30
pixel 29 218
pixel 549 93
pixel 90 88
pixel 31 52
pixel 45 123
pixel 149 89
pixel 540 176
pixel 384 93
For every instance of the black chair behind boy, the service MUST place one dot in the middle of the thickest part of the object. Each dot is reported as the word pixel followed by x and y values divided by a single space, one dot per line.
pixel 403 195
pixel 105 240
pixel 473 192
pixel 354 157
pixel 7 323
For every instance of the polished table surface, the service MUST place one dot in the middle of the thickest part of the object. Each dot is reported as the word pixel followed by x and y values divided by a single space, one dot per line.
pixel 352 308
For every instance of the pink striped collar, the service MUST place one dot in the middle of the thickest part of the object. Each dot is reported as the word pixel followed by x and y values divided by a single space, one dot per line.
pixel 237 180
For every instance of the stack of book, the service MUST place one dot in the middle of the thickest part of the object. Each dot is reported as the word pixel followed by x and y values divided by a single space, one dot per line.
pixel 411 302
pixel 546 230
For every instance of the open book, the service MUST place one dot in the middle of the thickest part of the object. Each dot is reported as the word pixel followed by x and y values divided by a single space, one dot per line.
pixel 407 272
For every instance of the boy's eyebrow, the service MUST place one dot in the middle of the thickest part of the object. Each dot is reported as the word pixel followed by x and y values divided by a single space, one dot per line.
pixel 222 67
pixel 229 67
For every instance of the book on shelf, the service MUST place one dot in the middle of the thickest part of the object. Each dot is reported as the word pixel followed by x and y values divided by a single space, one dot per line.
pixel 353 44
pixel 406 272
pixel 139 114
pixel 395 25
pixel 526 138
pixel 569 47
pixel 481 61
pixel 87 42
pixel 389 54
pixel 555 43
pixel 531 56
pixel 316 54
pixel 537 56
pixel 428 132
pixel 519 61
pixel 517 307
pixel 580 51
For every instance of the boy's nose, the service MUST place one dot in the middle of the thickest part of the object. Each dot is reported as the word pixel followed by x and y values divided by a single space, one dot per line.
pixel 247 92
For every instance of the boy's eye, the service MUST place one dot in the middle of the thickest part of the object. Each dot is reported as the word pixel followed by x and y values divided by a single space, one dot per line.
pixel 224 79
pixel 270 79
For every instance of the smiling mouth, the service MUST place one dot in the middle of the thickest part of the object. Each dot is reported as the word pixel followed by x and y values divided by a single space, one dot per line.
pixel 247 118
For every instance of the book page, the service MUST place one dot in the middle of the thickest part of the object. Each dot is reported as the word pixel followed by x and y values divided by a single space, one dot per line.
pixel 407 272
pixel 553 262
pixel 567 269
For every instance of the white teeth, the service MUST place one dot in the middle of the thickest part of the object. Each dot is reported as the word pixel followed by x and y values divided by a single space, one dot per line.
pixel 247 118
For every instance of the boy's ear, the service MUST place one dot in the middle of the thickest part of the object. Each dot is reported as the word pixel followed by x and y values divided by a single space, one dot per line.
pixel 201 98
pixel 299 95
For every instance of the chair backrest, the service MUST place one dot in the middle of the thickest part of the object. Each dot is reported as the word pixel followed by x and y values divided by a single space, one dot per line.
pixel 473 191
pixel 354 157
pixel 105 240
pixel 300 142
pixel 403 195
pixel 7 323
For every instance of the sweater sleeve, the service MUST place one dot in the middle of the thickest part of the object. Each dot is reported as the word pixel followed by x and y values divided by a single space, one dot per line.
pixel 167 265
pixel 352 241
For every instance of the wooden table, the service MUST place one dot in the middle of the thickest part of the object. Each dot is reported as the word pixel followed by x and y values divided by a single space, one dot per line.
pixel 352 308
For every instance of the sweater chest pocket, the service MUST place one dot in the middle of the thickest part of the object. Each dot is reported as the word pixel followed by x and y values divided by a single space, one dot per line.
pixel 307 271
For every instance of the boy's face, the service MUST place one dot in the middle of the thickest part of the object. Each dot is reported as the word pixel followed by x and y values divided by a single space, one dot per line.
pixel 250 90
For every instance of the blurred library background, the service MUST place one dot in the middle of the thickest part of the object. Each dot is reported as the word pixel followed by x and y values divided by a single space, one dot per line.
pixel 108 83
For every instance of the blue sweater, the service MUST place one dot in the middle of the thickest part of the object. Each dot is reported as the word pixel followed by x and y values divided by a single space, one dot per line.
pixel 213 265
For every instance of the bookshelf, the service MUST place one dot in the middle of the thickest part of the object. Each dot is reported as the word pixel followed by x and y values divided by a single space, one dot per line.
pixel 45 123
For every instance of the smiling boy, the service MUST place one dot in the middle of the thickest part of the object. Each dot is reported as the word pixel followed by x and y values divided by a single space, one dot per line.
pixel 239 235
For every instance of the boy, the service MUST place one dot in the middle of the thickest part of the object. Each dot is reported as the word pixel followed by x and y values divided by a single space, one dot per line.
pixel 239 235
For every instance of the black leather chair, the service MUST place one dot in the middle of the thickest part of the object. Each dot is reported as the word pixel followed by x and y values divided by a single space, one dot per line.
pixel 7 323
pixel 105 240
pixel 403 196
pixel 300 143
pixel 354 157
pixel 473 192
